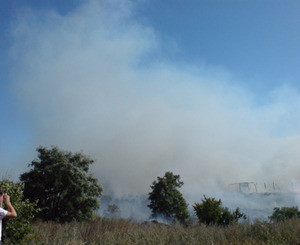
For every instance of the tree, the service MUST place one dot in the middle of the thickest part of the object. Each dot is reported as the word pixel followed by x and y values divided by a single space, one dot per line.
pixel 15 230
pixel 210 211
pixel 166 200
pixel 60 182
pixel 283 213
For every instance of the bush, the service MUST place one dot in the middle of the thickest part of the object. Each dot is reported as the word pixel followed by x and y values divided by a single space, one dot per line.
pixel 283 213
pixel 210 211
pixel 112 211
pixel 15 230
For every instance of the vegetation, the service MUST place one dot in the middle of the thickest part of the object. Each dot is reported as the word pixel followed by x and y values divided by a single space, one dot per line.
pixel 112 211
pixel 117 231
pixel 166 200
pixel 60 183
pixel 210 211
pixel 284 213
pixel 15 230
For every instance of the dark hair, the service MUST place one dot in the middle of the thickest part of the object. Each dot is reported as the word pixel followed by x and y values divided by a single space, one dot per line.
pixel 1 191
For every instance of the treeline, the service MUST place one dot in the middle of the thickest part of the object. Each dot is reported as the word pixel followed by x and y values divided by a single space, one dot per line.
pixel 59 188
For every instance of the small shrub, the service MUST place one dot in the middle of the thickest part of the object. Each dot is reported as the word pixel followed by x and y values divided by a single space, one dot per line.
pixel 112 211
pixel 210 211
pixel 283 213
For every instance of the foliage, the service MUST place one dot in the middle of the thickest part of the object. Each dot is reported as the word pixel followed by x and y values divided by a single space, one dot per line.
pixel 166 200
pixel 283 213
pixel 210 211
pixel 112 211
pixel 15 230
pixel 59 180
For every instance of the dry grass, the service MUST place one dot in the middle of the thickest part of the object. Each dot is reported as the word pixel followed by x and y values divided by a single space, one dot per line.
pixel 109 231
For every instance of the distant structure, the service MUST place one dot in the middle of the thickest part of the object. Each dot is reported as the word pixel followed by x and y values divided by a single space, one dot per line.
pixel 244 187
pixel 252 187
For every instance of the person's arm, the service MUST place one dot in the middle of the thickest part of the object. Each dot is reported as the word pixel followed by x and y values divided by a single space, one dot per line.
pixel 11 212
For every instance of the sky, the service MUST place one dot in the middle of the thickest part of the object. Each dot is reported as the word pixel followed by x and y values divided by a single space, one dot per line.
pixel 207 89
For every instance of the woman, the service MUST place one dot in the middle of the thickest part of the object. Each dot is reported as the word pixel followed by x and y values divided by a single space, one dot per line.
pixel 9 213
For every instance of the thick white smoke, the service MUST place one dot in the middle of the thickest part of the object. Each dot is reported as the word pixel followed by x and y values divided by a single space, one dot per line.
pixel 89 82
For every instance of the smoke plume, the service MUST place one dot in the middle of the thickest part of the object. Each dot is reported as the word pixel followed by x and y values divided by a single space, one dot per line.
pixel 93 80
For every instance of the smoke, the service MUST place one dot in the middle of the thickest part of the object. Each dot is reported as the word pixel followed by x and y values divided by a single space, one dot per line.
pixel 93 80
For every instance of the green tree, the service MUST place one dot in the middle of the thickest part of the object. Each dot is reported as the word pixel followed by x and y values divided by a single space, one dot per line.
pixel 210 211
pixel 166 200
pixel 15 230
pixel 283 213
pixel 60 182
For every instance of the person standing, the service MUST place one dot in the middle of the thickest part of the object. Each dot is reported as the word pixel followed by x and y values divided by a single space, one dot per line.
pixel 9 213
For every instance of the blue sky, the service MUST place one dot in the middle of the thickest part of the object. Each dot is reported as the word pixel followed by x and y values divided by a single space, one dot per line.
pixel 225 70
pixel 251 38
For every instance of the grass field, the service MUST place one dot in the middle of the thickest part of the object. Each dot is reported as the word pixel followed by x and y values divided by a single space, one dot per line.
pixel 117 231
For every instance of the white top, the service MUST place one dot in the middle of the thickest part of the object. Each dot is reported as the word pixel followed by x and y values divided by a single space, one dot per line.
pixel 2 215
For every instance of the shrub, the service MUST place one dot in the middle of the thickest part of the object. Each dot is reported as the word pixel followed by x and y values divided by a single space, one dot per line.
pixel 283 213
pixel 210 211
pixel 112 211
